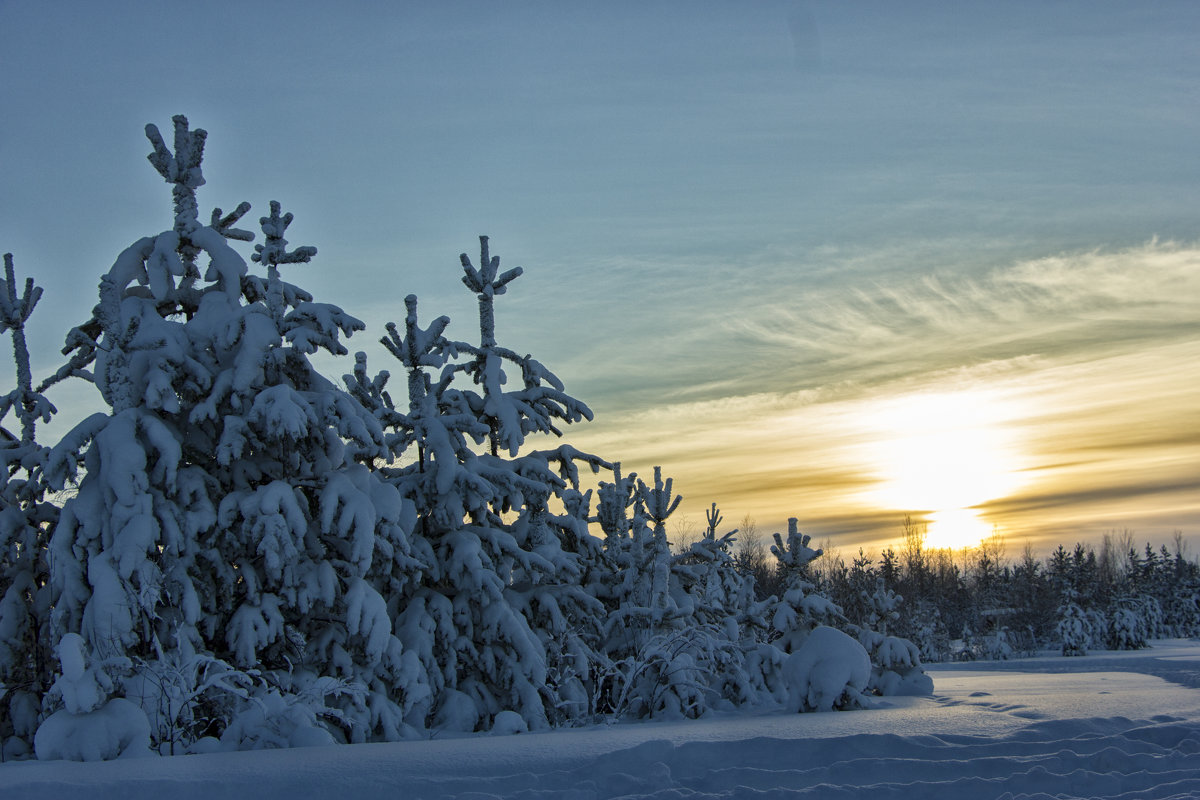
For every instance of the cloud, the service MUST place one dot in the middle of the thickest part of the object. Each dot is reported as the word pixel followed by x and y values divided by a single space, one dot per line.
pixel 1088 360
pixel 841 323
pixel 1122 495
pixel 1068 306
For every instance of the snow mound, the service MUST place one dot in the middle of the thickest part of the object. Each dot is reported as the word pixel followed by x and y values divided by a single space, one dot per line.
pixel 118 729
pixel 829 671
pixel 508 723
pixel 89 727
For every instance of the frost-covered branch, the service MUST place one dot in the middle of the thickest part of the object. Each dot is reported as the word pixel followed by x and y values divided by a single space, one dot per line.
pixel 224 224
pixel 15 311
pixel 182 170
pixel 615 498
pixel 795 555
pixel 658 501
pixel 487 283
pixel 274 252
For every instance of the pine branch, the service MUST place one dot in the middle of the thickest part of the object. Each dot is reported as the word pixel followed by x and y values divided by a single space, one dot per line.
pixel 486 283
pixel 274 251
pixel 658 501
pixel 14 313
pixel 795 554
pixel 181 168
pixel 224 224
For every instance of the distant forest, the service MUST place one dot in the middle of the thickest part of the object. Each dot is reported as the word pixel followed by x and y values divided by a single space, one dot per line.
pixel 984 603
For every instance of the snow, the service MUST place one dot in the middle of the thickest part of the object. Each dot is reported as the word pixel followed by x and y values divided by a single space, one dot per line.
pixel 827 669
pixel 1103 725
pixel 118 729
pixel 89 726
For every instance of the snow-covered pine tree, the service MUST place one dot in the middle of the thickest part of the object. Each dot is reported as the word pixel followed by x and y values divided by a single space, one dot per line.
pixel 802 608
pixel 501 622
pixel 1179 581
pixel 893 660
pixel 784 670
pixel 225 512
pixel 894 664
pixel 1074 629
pixel 122 552
pixel 929 632
pixel 323 538
pixel 557 609
pixel 725 607
pixel 850 587
pixel 655 663
pixel 707 572
pixel 26 519
pixel 1130 620
pixel 552 602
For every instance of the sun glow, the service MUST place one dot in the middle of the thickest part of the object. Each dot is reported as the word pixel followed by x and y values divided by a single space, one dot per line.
pixel 943 456
pixel 956 527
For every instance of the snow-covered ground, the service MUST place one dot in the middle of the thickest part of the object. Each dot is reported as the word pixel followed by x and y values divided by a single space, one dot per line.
pixel 1106 725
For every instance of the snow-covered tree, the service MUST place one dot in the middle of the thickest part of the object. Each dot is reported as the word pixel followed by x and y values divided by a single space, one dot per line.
pixel 226 508
pixel 26 520
pixel 655 656
pixel 501 621
pixel 1130 622
pixel 802 608
pixel 725 604
pixel 1074 629
pixel 895 661
pixel 930 634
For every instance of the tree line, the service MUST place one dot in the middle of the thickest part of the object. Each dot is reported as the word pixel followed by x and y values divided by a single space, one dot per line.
pixel 981 603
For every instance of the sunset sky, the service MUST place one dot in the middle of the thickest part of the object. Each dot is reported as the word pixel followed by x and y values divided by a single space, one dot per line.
pixel 843 261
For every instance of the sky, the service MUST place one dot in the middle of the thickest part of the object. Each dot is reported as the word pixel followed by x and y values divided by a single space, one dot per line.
pixel 841 261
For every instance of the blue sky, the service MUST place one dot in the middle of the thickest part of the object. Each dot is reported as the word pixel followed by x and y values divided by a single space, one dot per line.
pixel 771 244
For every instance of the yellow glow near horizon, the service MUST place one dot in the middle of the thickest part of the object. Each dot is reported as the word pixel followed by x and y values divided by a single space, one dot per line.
pixel 955 528
pixel 945 454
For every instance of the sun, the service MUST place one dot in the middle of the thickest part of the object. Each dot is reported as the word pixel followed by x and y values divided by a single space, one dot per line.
pixel 943 455
pixel 955 528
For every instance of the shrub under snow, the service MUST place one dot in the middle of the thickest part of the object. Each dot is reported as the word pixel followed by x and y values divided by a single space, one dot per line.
pixel 90 726
pixel 829 671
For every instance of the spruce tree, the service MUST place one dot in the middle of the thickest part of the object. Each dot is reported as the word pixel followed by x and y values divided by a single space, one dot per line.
pixel 501 623
pixel 26 520
pixel 802 607
pixel 227 528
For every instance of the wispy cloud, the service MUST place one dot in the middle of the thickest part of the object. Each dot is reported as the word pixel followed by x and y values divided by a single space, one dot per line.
pixel 1095 354
pixel 1065 306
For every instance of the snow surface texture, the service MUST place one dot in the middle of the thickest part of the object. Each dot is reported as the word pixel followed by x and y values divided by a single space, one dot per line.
pixel 1120 725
